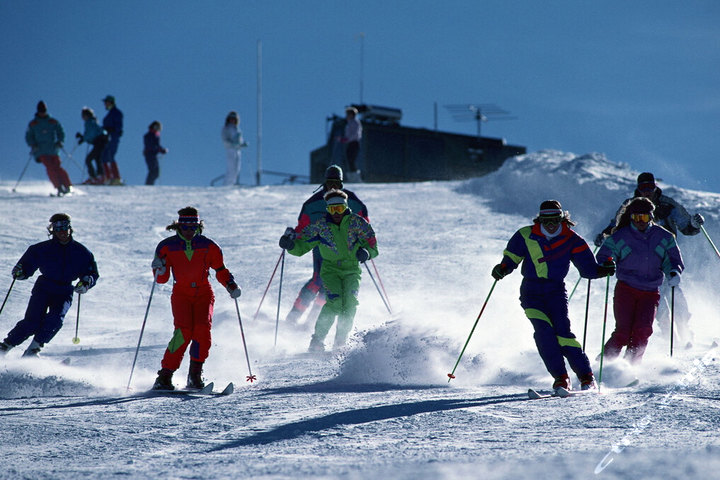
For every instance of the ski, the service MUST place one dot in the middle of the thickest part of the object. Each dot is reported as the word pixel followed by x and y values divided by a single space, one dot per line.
pixel 206 390
pixel 559 393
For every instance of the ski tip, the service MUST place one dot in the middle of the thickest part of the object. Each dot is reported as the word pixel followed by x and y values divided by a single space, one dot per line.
pixel 562 392
pixel 208 388
pixel 533 394
pixel 229 389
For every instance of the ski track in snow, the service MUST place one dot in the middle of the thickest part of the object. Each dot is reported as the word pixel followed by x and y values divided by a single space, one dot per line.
pixel 382 406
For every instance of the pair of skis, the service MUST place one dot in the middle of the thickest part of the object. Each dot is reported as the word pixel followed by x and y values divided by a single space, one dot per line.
pixel 206 390
pixel 564 393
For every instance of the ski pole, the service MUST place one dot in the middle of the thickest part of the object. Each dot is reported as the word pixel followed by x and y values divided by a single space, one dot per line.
pixel 282 255
pixel 142 329
pixel 451 375
pixel 602 347
pixel 277 316
pixel 76 339
pixel 69 155
pixel 706 236
pixel 380 280
pixel 672 318
pixel 587 308
pixel 378 288
pixel 250 378
pixel 578 280
pixel 23 172
pixel 8 294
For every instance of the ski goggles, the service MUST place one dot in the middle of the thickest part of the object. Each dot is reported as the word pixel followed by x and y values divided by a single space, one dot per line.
pixel 332 183
pixel 61 226
pixel 188 226
pixel 641 217
pixel 336 208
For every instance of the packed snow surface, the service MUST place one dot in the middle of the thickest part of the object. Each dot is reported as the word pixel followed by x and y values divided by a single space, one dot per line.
pixel 381 407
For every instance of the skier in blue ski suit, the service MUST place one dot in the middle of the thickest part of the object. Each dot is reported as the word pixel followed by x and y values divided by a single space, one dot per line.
pixel 61 260
pixel 545 250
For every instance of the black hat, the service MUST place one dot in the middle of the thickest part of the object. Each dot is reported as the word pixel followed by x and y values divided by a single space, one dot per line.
pixel 41 107
pixel 646 181
pixel 334 172
pixel 109 99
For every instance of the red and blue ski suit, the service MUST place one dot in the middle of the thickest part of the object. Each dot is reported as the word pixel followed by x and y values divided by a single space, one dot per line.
pixel 192 297
pixel 545 264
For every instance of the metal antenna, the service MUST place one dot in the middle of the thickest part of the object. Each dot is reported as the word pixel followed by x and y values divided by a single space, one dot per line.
pixel 478 112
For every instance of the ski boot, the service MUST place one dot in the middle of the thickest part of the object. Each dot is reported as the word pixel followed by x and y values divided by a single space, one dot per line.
pixel 33 350
pixel 563 381
pixel 316 345
pixel 164 380
pixel 194 379
pixel 4 348
pixel 587 382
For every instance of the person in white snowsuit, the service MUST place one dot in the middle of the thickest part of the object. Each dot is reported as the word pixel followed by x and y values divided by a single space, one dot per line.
pixel 233 140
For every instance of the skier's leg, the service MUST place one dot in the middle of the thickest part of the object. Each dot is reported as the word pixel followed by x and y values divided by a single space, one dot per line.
pixel 182 320
pixel 351 286
pixel 642 327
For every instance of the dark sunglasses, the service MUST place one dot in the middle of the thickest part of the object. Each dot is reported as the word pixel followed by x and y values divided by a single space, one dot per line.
pixel 61 226
pixel 185 226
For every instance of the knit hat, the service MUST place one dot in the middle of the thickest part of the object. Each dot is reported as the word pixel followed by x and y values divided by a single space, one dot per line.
pixel 550 209
pixel 188 216
pixel 646 181
pixel 109 99
pixel 334 172
pixel 640 205
pixel 336 197
pixel 41 107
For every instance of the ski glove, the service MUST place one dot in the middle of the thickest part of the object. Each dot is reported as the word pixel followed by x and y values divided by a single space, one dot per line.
pixel 79 137
pixel 84 284
pixel 234 290
pixel 599 239
pixel 287 241
pixel 697 220
pixel 362 255
pixel 18 274
pixel 158 266
pixel 499 272
pixel 607 269
pixel 674 279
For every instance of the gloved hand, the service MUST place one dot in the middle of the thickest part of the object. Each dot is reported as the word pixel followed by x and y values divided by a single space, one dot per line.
pixel 607 268
pixel 59 145
pixel 79 137
pixel 164 150
pixel 362 255
pixel 234 290
pixel 287 241
pixel 17 272
pixel 158 266
pixel 499 271
pixel 599 239
pixel 674 279
pixel 697 220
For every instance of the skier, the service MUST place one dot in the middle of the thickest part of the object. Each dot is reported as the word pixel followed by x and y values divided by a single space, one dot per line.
pixel 233 140
pixel 345 240
pixel 61 260
pixel 644 252
pixel 189 255
pixel 546 249
pixel 151 151
pixel 45 137
pixel 672 216
pixel 351 139
pixel 113 125
pixel 313 209
pixel 97 137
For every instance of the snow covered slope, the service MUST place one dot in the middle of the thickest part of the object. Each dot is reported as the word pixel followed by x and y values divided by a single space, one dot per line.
pixel 382 406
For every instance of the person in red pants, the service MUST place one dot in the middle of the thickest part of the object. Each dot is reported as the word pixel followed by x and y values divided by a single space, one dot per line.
pixel 189 255
pixel 45 137
pixel 644 253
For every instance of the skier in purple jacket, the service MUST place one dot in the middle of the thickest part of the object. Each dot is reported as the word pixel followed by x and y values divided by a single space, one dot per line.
pixel 644 253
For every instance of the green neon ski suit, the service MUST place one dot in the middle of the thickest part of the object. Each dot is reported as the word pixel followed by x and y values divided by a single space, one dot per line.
pixel 340 271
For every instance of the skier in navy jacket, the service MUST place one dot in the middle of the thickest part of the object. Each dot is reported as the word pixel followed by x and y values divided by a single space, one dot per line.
pixel 61 260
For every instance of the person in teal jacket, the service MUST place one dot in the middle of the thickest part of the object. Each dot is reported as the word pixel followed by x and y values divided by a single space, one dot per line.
pixel 45 137
pixel 344 240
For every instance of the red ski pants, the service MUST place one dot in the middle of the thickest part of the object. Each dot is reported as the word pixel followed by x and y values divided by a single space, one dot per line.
pixel 193 321
pixel 55 172
pixel 634 315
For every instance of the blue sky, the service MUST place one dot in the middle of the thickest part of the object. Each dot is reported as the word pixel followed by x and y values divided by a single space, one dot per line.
pixel 636 80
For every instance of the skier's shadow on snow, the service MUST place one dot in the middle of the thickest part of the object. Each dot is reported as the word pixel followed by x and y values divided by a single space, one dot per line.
pixel 364 415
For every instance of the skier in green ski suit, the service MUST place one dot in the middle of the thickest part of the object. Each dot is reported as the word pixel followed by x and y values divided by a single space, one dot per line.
pixel 345 240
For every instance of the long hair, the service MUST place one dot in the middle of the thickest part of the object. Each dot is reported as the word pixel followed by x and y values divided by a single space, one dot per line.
pixel 186 211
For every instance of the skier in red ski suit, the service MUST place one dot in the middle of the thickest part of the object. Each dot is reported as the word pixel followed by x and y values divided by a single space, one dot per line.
pixel 189 255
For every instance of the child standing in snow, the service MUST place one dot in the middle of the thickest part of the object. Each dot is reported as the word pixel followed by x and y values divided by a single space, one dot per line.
pixel 345 240
pixel 190 256
pixel 545 250
pixel 644 252
pixel 61 260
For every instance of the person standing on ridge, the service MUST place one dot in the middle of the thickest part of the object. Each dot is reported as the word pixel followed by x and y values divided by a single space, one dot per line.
pixel 313 209
pixel 151 151
pixel 545 250
pixel 113 125
pixel 97 137
pixel 189 255
pixel 233 140
pixel 345 240
pixel 672 216
pixel 61 260
pixel 45 137
pixel 644 252
pixel 351 139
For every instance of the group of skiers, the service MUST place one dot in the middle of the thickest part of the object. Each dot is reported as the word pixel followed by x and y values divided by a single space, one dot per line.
pixel 340 238
pixel 639 247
